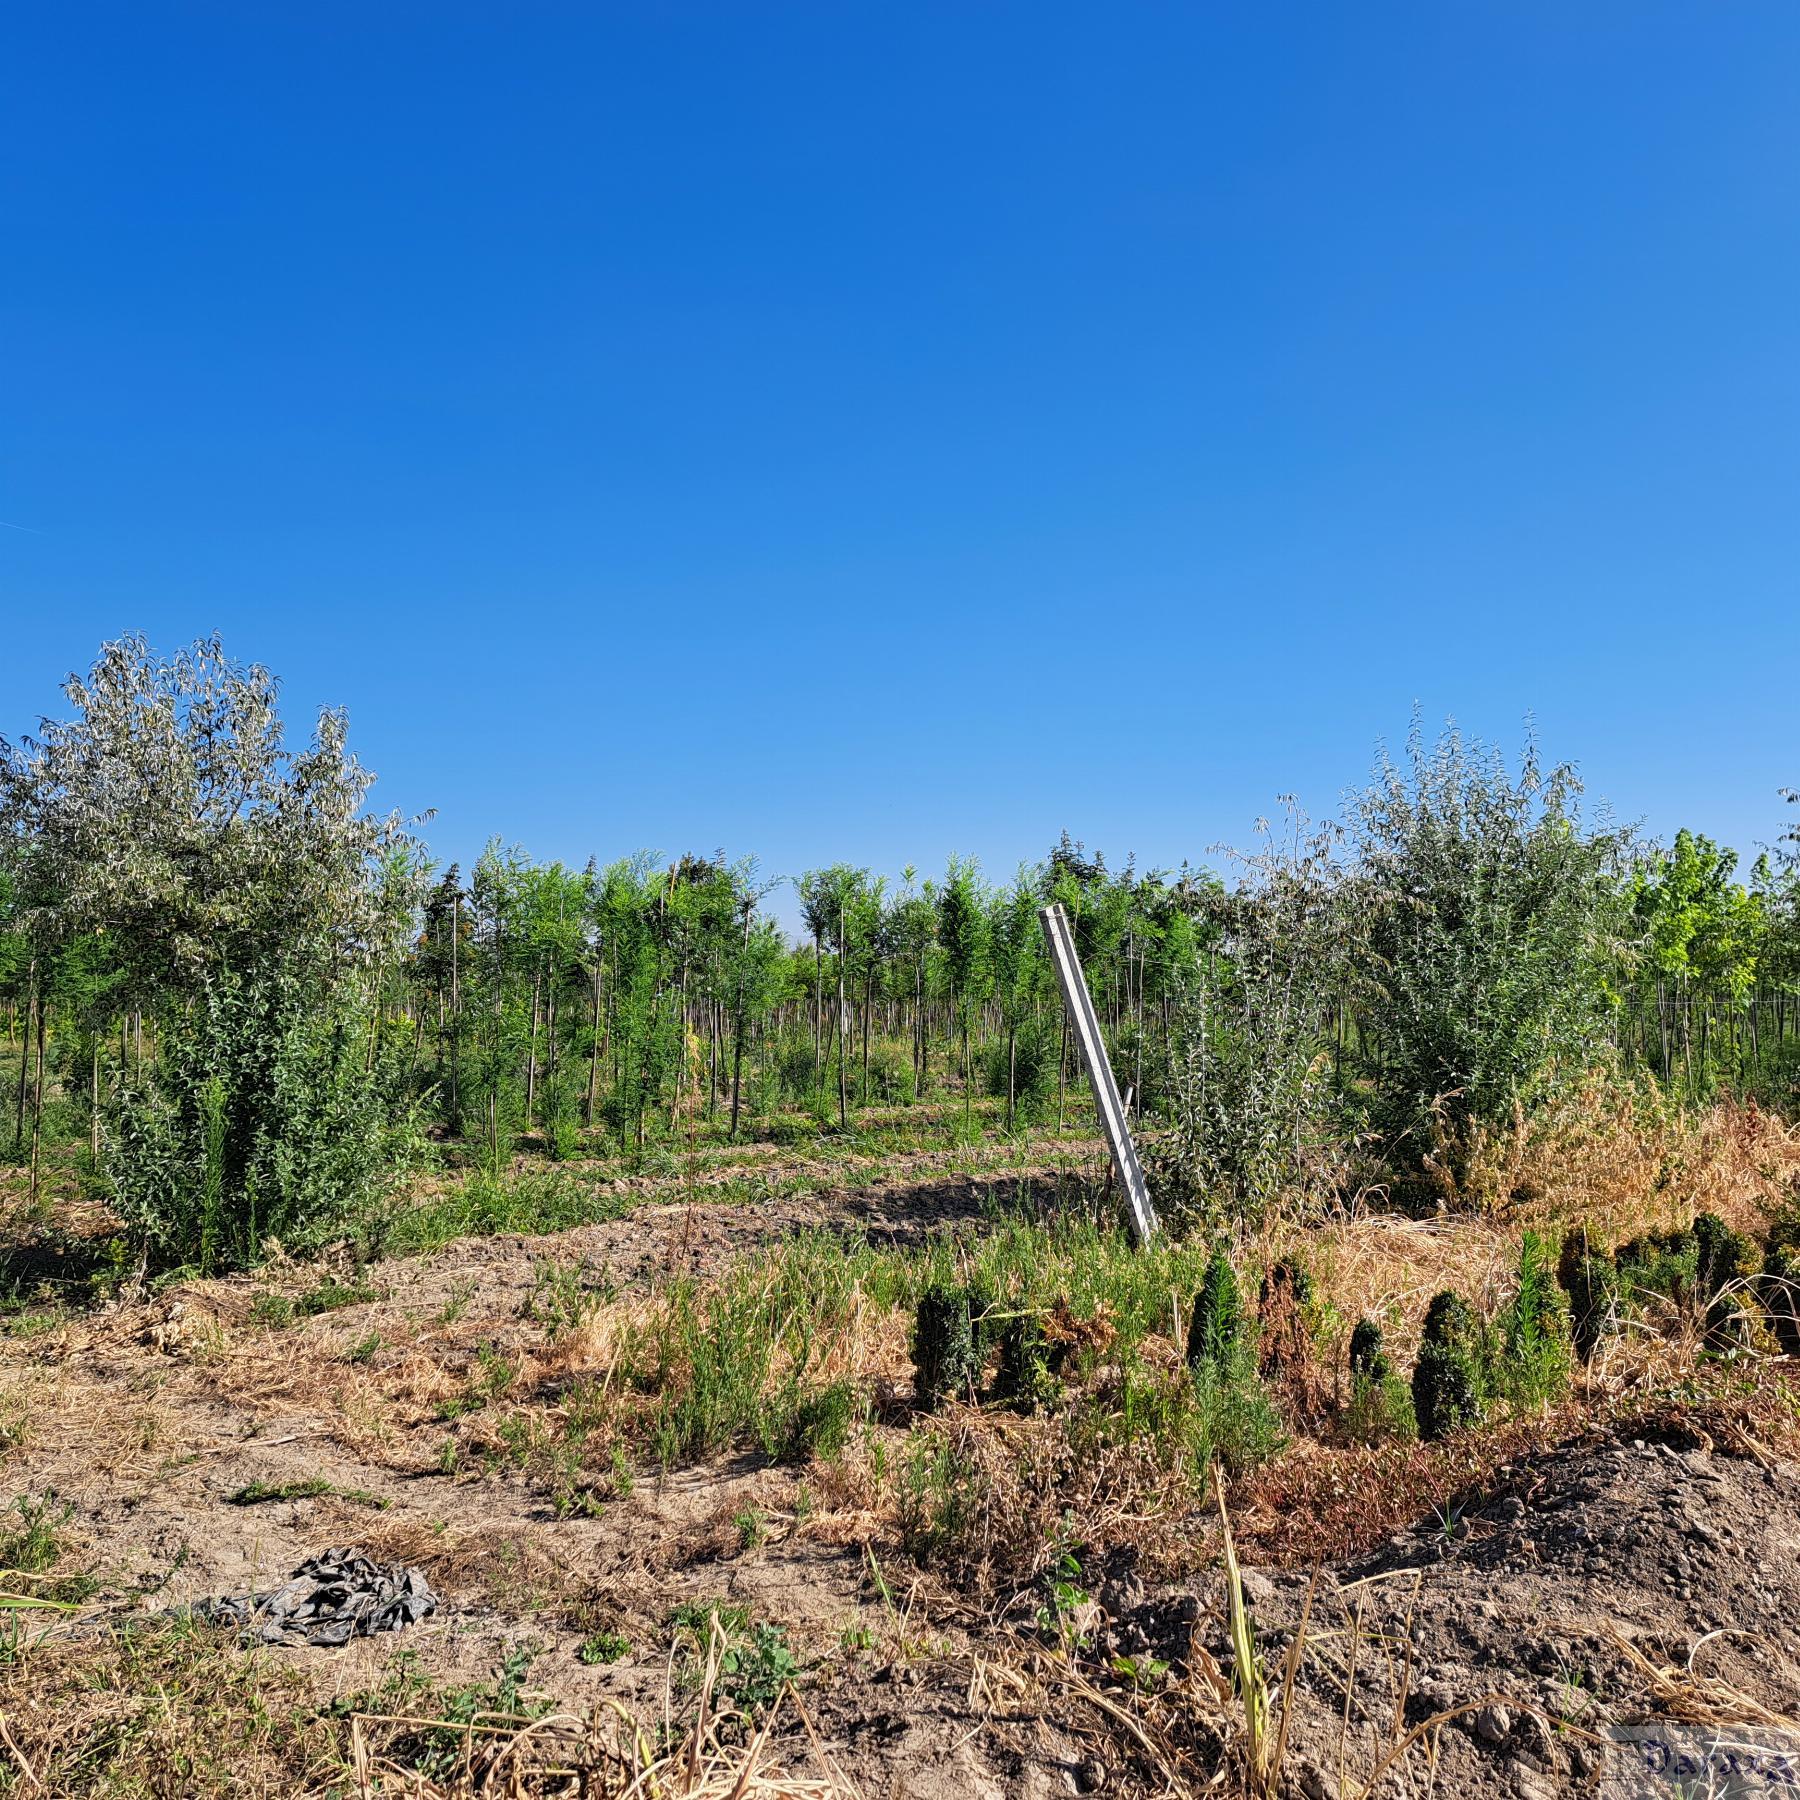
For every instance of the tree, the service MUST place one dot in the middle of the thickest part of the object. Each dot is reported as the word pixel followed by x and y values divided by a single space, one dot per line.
pixel 247 900
pixel 1248 1098
pixel 966 939
pixel 1491 917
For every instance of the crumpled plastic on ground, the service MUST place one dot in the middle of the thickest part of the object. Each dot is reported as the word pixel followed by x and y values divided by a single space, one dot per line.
pixel 330 1599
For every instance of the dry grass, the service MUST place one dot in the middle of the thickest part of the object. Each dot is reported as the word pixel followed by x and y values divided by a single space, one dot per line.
pixel 124 1397
pixel 1328 1501
pixel 1388 1268
pixel 178 1713
pixel 1621 1159
pixel 1692 1697
pixel 720 1754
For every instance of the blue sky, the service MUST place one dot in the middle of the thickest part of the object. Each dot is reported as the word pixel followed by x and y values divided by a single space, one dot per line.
pixel 874 432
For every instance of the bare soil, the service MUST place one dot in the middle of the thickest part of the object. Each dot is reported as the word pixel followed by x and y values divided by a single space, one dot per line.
pixel 1595 1580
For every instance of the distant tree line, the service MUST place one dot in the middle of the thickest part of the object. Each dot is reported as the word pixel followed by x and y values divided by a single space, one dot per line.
pixel 252 1002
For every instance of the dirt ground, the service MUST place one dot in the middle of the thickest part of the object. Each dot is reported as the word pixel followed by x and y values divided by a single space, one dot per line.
pixel 1604 1576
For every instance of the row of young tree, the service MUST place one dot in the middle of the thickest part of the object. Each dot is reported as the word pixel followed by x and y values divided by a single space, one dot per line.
pixel 552 1003
pixel 253 1001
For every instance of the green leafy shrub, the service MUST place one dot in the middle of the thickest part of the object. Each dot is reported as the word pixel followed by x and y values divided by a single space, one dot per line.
pixel 1243 1085
pixel 603 1647
pixel 1485 902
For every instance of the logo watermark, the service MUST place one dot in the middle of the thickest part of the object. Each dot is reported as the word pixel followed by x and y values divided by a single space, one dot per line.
pixel 1700 1762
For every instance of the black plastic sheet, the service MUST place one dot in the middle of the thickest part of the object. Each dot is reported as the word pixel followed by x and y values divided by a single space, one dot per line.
pixel 330 1599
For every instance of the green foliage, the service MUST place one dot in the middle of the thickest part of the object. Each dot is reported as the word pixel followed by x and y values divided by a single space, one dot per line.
pixel 275 1311
pixel 1779 1292
pixel 1488 918
pixel 534 1202
pixel 1368 1359
pixel 755 1661
pixel 943 1497
pixel 603 1647
pixel 35 1543
pixel 1381 1406
pixel 741 1359
pixel 1702 940
pixel 333 1296
pixel 1451 1321
pixel 1590 1278
pixel 247 903
pixel 1726 1266
pixel 1027 1374
pixel 1216 1327
pixel 437 1751
pixel 950 1343
pixel 1246 1082
pixel 1448 1384
pixel 820 1422
pixel 261 1493
pixel 1660 1265
pixel 1446 1391
pixel 1535 1332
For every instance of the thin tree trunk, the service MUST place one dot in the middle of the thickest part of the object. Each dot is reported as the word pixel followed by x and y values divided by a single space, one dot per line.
pixel 593 1082
pixel 29 1019
pixel 37 1105
pixel 842 1047
pixel 531 1054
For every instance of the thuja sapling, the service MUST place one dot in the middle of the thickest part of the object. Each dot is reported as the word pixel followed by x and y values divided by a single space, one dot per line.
pixel 1215 1341
pixel 1368 1360
pixel 1778 1289
pixel 1447 1383
pixel 950 1342
pixel 1590 1277
pixel 1725 1267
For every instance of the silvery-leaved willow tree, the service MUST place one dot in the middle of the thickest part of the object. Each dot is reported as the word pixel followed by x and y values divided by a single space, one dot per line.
pixel 247 906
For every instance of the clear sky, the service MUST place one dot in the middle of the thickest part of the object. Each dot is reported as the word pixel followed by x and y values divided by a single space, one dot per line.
pixel 878 431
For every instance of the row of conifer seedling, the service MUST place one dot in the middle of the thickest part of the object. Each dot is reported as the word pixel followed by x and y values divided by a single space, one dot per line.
pixel 1564 1307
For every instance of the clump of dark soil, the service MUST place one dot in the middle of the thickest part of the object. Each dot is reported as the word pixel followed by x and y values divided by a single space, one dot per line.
pixel 1608 1582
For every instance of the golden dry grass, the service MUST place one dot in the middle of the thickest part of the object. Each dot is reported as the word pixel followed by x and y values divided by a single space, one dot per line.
pixel 1621 1159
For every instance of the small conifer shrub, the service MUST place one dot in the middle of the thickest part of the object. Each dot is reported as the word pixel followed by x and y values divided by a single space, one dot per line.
pixel 1664 1265
pixel 949 1343
pixel 1446 1392
pixel 1727 1264
pixel 1368 1359
pixel 1381 1407
pixel 1216 1329
pixel 1451 1321
pixel 1590 1278
pixel 1447 1386
pixel 1779 1291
